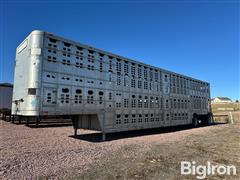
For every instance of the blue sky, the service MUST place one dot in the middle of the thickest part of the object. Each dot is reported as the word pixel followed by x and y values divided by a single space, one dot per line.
pixel 195 38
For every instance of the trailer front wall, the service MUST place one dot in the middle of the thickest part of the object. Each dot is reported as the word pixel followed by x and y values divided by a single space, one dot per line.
pixel 27 76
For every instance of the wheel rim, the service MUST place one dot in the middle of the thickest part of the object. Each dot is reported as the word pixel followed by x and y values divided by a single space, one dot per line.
pixel 195 122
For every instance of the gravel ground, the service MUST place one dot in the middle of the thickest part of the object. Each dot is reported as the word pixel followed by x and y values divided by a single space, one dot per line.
pixel 53 152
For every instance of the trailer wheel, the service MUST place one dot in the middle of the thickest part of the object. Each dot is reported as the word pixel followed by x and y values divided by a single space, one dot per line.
pixel 195 121
pixel 209 119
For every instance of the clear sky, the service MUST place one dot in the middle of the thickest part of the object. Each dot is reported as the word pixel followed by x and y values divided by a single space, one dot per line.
pixel 195 38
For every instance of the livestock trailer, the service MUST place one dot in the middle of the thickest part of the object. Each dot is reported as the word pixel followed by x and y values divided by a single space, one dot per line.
pixel 101 90
pixel 6 92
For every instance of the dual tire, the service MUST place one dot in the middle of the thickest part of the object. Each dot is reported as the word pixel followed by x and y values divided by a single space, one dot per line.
pixel 205 120
pixel 195 122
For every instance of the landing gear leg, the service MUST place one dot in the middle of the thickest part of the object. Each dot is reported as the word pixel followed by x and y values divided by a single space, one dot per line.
pixel 75 132
pixel 27 119
pixel 103 136
pixel 38 119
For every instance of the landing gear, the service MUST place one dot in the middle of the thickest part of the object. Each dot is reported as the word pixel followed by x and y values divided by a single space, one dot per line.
pixel 74 123
pixel 38 119
pixel 27 119
pixel 103 136
pixel 75 132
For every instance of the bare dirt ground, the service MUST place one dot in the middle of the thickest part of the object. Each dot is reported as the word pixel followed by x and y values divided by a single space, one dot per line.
pixel 52 153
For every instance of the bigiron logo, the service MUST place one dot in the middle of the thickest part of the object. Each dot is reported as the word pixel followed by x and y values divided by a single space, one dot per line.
pixel 202 171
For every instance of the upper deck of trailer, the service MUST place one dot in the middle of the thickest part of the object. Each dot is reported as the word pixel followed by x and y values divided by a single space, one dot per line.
pixel 122 58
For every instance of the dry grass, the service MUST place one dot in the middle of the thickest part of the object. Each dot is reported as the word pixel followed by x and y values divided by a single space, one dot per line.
pixel 227 117
pixel 219 107
pixel 162 160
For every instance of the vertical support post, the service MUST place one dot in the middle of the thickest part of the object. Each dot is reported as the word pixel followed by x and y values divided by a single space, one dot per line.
pixel 231 117
pixel 75 125
pixel 19 120
pixel 37 120
pixel 27 118
pixel 103 128
pixel 75 132
pixel 10 118
pixel 103 136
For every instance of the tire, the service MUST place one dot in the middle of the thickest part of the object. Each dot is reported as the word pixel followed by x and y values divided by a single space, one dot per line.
pixel 209 119
pixel 195 122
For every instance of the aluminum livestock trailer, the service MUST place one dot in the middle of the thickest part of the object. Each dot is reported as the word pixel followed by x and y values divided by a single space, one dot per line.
pixel 100 90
